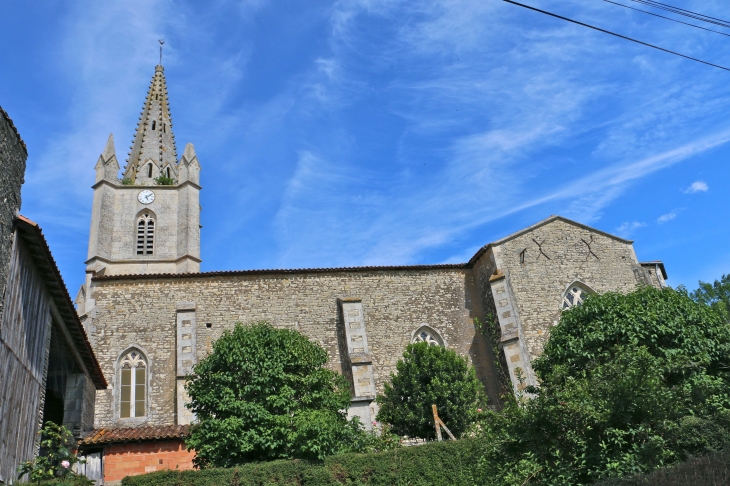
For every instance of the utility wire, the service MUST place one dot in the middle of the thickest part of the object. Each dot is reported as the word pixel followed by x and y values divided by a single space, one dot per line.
pixel 668 18
pixel 615 34
pixel 658 4
pixel 686 13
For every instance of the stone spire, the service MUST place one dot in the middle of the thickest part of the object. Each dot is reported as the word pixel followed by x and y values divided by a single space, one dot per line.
pixel 107 166
pixel 153 148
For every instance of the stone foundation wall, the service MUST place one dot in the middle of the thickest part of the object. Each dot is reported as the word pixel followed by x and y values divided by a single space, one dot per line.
pixel 132 459
pixel 142 313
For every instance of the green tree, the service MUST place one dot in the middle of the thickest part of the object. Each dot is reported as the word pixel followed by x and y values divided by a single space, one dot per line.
pixel 425 376
pixel 716 295
pixel 262 394
pixel 628 383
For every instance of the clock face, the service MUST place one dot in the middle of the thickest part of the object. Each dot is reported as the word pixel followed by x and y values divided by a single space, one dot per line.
pixel 146 196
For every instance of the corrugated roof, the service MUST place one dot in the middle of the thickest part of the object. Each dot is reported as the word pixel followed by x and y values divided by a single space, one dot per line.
pixel 41 253
pixel 135 434
pixel 5 115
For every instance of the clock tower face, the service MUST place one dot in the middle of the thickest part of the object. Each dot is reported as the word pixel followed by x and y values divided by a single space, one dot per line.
pixel 146 196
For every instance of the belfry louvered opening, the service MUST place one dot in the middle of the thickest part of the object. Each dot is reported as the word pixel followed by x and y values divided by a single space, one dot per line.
pixel 145 235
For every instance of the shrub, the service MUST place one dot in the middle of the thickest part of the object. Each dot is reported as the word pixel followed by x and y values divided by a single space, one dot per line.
pixel 165 181
pixel 425 376
pixel 438 463
pixel 55 462
pixel 264 394
pixel 629 383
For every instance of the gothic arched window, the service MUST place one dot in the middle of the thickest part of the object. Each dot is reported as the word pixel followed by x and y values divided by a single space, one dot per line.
pixel 575 295
pixel 145 235
pixel 427 335
pixel 133 385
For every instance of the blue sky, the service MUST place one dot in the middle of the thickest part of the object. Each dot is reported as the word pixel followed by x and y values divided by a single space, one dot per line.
pixel 366 132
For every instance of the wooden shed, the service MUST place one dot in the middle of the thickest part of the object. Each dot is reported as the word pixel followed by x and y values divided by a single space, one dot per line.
pixel 48 370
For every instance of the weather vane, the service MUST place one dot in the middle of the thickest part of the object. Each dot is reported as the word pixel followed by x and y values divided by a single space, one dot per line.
pixel 161 42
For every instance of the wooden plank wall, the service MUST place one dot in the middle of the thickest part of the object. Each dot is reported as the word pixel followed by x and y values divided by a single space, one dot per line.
pixel 25 332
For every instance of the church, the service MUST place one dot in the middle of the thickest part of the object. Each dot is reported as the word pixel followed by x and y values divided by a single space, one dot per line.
pixel 150 313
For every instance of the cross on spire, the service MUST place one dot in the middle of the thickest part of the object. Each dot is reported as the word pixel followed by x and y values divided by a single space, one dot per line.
pixel 161 43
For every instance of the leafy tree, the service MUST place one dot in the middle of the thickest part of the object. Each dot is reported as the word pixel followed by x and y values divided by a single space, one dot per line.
pixel 56 459
pixel 716 295
pixel 263 394
pixel 164 181
pixel 628 383
pixel 425 376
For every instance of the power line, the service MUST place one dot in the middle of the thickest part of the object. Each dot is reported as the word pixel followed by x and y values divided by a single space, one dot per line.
pixel 686 13
pixel 668 18
pixel 615 34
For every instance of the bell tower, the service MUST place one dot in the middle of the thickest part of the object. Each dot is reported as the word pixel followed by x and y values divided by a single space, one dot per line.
pixel 149 220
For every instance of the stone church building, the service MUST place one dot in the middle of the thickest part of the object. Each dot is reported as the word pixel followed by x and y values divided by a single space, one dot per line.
pixel 151 315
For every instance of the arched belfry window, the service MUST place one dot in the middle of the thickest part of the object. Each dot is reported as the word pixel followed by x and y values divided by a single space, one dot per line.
pixel 149 170
pixel 133 385
pixel 575 295
pixel 427 335
pixel 153 124
pixel 145 235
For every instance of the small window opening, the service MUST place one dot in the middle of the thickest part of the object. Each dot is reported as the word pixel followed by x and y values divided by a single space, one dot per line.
pixel 149 171
pixel 522 256
pixel 208 325
pixel 575 295
pixel 164 128
pixel 153 124
pixel 168 172
pixel 145 235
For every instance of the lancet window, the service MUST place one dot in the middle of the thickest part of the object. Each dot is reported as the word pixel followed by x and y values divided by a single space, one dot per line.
pixel 427 335
pixel 133 385
pixel 145 235
pixel 575 295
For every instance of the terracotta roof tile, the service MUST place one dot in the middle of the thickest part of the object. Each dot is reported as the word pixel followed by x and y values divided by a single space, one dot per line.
pixel 135 434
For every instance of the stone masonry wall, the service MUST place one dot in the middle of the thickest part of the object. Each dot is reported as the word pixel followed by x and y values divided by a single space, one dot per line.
pixel 13 155
pixel 142 312
pixel 540 281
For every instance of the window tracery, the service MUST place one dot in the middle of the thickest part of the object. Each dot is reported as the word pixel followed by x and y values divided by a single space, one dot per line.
pixel 575 295
pixel 427 335
pixel 133 385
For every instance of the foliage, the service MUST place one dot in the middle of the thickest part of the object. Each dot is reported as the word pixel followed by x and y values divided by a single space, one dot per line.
pixel 448 463
pixel 165 181
pixel 716 295
pixel 430 375
pixel 55 461
pixel 706 469
pixel 629 383
pixel 127 181
pixel 264 394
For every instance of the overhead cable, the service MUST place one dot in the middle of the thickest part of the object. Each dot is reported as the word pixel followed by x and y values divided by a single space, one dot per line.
pixel 615 34
pixel 686 13
pixel 668 18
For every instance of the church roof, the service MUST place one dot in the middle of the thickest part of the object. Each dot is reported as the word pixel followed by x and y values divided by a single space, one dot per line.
pixel 454 266
pixel 46 265
pixel 153 139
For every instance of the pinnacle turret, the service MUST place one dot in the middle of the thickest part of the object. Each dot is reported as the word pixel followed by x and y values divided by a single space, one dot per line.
pixel 153 150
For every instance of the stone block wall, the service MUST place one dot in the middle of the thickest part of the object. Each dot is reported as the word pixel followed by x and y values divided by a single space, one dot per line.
pixel 142 312
pixel 540 265
pixel 13 155
pixel 136 458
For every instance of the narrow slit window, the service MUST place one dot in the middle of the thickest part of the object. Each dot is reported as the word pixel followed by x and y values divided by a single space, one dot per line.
pixel 145 235
pixel 168 172
pixel 149 171
pixel 164 128
pixel 133 385
pixel 153 124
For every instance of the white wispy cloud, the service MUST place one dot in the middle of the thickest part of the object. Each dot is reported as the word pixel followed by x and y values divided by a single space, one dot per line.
pixel 627 228
pixel 665 218
pixel 697 186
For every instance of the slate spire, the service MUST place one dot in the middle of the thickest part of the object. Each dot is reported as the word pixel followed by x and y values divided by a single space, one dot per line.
pixel 153 150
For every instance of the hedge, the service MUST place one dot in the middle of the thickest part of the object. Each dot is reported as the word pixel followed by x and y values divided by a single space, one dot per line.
pixel 437 463
pixel 710 469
